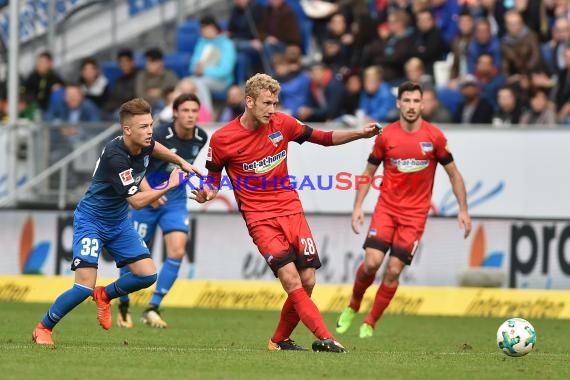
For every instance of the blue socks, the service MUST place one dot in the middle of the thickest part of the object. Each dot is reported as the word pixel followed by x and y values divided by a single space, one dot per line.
pixel 168 274
pixel 129 283
pixel 65 303
pixel 123 271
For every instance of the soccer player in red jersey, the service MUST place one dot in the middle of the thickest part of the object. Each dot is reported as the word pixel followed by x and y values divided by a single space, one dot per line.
pixel 410 150
pixel 253 150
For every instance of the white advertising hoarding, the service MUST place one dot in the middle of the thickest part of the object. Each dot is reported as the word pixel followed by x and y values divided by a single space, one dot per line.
pixel 507 172
pixel 530 253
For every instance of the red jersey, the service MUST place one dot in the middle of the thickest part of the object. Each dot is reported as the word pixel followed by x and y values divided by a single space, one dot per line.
pixel 256 164
pixel 410 160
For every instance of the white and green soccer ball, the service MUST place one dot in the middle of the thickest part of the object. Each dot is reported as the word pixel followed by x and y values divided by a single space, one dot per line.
pixel 516 337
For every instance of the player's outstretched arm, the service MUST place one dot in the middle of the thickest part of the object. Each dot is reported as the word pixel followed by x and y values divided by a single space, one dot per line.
pixel 163 153
pixel 144 198
pixel 145 186
pixel 343 137
pixel 458 187
pixel 361 192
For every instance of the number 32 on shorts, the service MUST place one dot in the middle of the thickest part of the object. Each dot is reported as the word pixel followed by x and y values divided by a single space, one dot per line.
pixel 308 246
pixel 90 247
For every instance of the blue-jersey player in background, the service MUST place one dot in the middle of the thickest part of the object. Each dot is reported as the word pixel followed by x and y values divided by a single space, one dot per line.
pixel 186 139
pixel 101 219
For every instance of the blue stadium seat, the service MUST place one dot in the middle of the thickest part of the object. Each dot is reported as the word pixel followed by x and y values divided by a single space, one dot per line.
pixel 111 71
pixel 178 62
pixel 186 36
pixel 449 98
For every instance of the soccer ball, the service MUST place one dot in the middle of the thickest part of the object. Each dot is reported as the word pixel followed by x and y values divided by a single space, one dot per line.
pixel 516 337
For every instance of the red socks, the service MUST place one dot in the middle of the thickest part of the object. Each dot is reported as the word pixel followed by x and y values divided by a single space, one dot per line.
pixel 383 297
pixel 287 323
pixel 309 313
pixel 361 283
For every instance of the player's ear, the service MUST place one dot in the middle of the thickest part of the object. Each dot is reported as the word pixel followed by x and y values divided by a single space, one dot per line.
pixel 249 102
pixel 126 130
pixel 398 103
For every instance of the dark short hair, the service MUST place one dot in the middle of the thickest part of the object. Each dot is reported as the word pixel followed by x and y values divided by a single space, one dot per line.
pixel 125 53
pixel 89 61
pixel 207 20
pixel 409 87
pixel 46 54
pixel 184 98
pixel 136 106
pixel 154 54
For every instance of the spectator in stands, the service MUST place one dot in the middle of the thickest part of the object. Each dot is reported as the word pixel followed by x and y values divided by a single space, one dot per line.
pixel 392 52
pixel 553 50
pixel 364 30
pixel 295 81
pixel 242 29
pixel 94 84
pixel 124 87
pixel 42 81
pixel 460 45
pixel 337 43
pixel 429 44
pixel 415 72
pixel 489 78
pixel 519 48
pixel 184 86
pixel 474 109
pixel 154 79
pixel 483 42
pixel 509 108
pixel 234 104
pixel 541 112
pixel 325 95
pixel 376 100
pixel 213 61
pixel 562 90
pixel 433 111
pixel 445 13
pixel 351 98
pixel 74 108
pixel 279 28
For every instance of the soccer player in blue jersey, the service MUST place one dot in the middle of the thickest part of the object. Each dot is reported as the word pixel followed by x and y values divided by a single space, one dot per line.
pixel 101 219
pixel 185 138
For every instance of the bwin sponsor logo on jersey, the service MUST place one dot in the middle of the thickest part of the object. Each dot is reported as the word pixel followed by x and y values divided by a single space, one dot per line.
pixel 266 164
pixel 409 165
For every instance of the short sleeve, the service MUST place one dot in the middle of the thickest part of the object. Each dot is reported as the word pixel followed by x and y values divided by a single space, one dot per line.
pixel 377 155
pixel 121 176
pixel 296 130
pixel 215 160
pixel 442 153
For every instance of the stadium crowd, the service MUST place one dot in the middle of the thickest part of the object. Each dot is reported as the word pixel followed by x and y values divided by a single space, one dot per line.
pixel 503 62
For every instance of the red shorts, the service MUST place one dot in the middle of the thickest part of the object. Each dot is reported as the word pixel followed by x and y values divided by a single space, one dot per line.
pixel 285 239
pixel 398 233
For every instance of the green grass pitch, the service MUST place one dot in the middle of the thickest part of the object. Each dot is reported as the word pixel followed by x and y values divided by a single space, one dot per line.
pixel 229 344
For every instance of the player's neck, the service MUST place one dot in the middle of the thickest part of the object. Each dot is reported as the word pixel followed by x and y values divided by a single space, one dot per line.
pixel 184 134
pixel 248 122
pixel 133 148
pixel 411 127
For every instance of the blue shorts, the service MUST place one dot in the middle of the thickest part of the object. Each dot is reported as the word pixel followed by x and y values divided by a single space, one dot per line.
pixel 120 239
pixel 170 217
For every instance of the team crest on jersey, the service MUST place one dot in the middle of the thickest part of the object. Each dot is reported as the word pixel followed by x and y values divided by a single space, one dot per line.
pixel 426 147
pixel 126 177
pixel 275 137
pixel 209 156
pixel 372 232
pixel 146 159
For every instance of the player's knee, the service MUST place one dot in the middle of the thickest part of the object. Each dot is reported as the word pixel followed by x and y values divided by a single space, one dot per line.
pixel 308 285
pixel 177 253
pixel 392 274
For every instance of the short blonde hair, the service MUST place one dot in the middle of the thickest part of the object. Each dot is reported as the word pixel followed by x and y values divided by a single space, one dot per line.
pixel 260 82
pixel 136 106
pixel 414 63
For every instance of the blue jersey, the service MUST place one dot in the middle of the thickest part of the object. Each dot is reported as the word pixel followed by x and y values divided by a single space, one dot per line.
pixel 117 176
pixel 188 149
